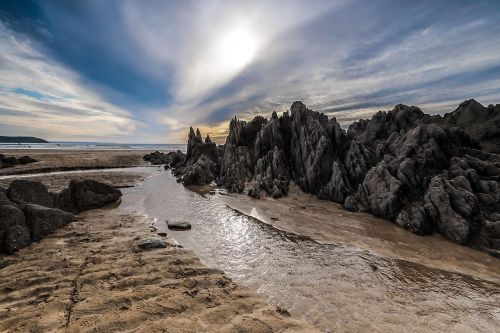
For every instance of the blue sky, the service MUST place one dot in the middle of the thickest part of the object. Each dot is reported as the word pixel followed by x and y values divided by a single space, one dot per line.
pixel 144 71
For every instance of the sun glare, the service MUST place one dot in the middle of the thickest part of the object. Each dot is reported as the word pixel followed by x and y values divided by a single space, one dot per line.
pixel 236 49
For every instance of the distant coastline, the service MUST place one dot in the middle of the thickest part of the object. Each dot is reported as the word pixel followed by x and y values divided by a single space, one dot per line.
pixel 21 139
pixel 63 145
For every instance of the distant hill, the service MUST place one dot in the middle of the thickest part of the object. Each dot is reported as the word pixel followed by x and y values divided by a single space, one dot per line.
pixel 21 139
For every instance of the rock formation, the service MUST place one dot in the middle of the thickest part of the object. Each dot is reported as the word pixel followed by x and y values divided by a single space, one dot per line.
pixel 425 173
pixel 28 211
pixel 171 159
pixel 6 162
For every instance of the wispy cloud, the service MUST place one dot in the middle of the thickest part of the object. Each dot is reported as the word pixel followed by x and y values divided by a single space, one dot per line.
pixel 152 69
pixel 36 92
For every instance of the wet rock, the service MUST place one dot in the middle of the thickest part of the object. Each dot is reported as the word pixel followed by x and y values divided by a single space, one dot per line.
pixel 151 243
pixel 86 194
pixel 27 191
pixel 178 225
pixel 42 221
pixel 351 204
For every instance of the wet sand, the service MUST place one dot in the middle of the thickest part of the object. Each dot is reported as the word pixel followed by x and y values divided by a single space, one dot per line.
pixel 90 277
pixel 355 280
pixel 328 223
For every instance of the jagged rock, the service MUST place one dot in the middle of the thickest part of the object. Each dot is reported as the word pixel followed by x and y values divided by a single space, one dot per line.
pixel 27 191
pixel 42 221
pixel 351 204
pixel 86 194
pixel 481 123
pixel 171 159
pixel 425 173
pixel 414 218
pixel 199 173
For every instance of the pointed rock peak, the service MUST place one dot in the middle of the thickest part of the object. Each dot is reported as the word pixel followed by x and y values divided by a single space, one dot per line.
pixel 471 103
pixel 191 133
pixel 207 139
pixel 274 115
pixel 198 135
pixel 297 107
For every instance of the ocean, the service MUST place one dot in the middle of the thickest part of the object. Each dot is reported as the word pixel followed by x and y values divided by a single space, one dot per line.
pixel 94 146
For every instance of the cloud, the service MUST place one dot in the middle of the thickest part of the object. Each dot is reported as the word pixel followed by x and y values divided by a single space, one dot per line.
pixel 149 70
pixel 36 92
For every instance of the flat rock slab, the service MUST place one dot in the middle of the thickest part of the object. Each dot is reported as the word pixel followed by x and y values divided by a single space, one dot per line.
pixel 152 243
pixel 178 225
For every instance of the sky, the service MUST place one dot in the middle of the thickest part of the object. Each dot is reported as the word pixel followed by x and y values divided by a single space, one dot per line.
pixel 144 71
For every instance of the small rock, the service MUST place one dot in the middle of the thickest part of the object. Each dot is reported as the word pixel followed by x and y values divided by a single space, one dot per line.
pixel 178 225
pixel 151 243
pixel 4 263
pixel 162 234
pixel 283 312
pixel 189 283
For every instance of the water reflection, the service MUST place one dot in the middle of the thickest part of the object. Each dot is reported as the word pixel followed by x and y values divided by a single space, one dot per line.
pixel 337 288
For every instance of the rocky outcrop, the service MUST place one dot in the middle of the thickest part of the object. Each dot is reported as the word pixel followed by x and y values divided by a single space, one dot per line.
pixel 201 163
pixel 42 220
pixel 28 191
pixel 6 162
pixel 172 159
pixel 425 173
pixel 481 123
pixel 86 194
pixel 13 228
pixel 28 211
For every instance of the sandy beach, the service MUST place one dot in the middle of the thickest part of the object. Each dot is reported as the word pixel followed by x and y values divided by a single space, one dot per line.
pixel 49 160
pixel 91 277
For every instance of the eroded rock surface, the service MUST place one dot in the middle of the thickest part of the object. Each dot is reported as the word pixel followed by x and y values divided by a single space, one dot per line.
pixel 425 173
pixel 10 161
pixel 29 212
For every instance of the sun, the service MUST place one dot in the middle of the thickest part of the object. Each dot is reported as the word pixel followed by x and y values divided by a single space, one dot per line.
pixel 236 49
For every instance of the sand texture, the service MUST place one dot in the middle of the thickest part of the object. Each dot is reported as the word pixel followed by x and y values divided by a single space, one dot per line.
pixel 62 160
pixel 91 276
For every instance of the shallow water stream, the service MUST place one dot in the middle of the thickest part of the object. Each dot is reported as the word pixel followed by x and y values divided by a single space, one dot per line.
pixel 336 287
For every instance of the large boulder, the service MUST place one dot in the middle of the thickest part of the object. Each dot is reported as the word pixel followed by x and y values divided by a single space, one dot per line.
pixel 86 194
pixel 42 221
pixel 27 191
pixel 14 233
pixel 16 238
